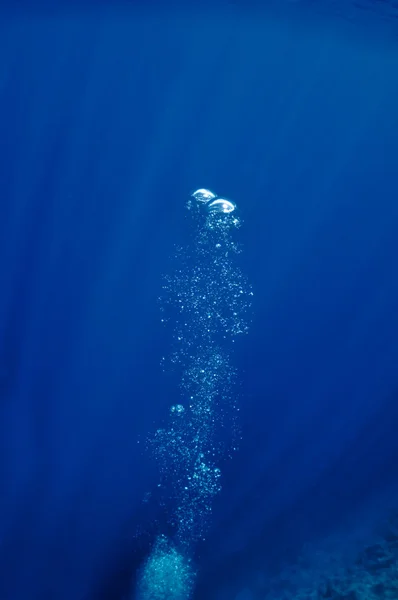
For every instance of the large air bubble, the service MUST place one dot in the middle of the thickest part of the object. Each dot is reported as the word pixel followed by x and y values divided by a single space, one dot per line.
pixel 203 195
pixel 220 205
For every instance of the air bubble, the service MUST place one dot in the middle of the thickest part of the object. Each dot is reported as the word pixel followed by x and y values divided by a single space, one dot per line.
pixel 203 195
pixel 221 205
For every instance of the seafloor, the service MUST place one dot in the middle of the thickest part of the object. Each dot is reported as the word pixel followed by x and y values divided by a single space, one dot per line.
pixel 366 570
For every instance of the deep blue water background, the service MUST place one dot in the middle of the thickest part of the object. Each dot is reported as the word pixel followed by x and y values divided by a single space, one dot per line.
pixel 108 119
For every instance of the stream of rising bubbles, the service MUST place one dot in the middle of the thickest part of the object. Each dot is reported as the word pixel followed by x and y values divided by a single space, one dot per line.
pixel 208 300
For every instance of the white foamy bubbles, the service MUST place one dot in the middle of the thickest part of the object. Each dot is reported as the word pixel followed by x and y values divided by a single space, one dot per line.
pixel 167 574
pixel 177 409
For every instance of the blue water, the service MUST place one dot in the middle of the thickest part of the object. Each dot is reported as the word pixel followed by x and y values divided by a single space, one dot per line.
pixel 109 119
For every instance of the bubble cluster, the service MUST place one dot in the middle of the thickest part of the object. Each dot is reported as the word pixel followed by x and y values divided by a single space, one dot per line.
pixel 211 202
pixel 208 300
pixel 166 574
pixel 188 449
